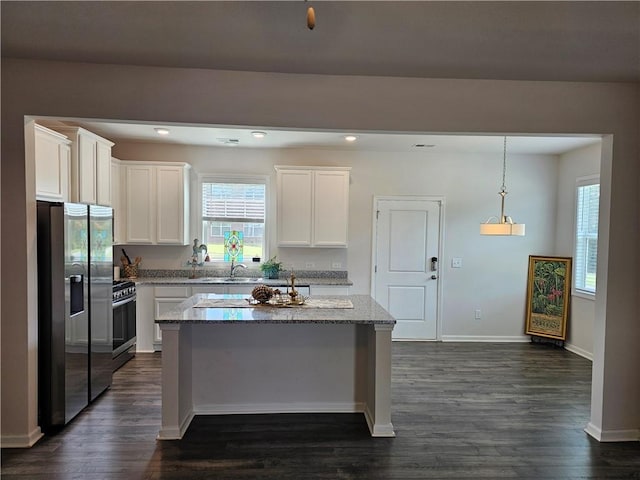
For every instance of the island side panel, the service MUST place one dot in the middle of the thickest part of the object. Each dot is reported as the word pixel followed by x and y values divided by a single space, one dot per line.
pixel 378 405
pixel 274 368
pixel 177 404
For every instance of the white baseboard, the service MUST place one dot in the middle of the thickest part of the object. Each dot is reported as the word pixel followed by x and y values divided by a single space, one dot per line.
pixel 579 351
pixel 486 338
pixel 378 430
pixel 178 432
pixel 21 441
pixel 632 435
pixel 296 407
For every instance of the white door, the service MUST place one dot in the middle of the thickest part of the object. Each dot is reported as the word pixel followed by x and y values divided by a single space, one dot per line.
pixel 406 270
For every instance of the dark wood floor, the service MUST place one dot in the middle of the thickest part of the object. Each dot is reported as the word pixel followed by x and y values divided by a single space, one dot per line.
pixel 487 411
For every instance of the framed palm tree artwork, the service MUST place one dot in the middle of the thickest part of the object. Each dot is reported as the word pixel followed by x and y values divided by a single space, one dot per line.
pixel 548 296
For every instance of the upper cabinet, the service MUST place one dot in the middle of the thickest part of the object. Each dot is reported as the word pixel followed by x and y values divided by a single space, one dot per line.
pixel 156 198
pixel 116 201
pixel 52 152
pixel 313 206
pixel 90 166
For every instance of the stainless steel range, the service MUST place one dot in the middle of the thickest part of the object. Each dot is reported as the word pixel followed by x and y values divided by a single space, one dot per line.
pixel 124 322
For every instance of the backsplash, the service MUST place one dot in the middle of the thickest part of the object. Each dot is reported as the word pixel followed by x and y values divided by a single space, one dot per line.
pixel 219 272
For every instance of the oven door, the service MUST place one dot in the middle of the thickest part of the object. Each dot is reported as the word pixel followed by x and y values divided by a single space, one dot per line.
pixel 124 325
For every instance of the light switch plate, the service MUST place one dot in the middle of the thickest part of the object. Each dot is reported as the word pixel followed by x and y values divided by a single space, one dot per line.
pixel 456 262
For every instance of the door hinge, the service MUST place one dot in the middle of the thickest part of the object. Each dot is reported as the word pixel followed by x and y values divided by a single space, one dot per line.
pixel 375 269
pixel 377 214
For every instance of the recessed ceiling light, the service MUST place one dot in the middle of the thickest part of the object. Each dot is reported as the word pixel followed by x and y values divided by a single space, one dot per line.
pixel 162 131
pixel 259 134
pixel 350 138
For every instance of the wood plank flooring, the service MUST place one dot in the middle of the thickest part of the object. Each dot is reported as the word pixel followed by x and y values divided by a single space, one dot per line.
pixel 461 411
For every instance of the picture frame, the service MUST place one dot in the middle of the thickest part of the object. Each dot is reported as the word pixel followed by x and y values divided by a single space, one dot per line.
pixel 548 296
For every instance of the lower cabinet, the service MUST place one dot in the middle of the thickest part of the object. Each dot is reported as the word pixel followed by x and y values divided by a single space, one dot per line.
pixel 338 290
pixel 166 298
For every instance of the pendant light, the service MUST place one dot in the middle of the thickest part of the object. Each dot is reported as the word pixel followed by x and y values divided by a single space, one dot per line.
pixel 505 225
pixel 311 18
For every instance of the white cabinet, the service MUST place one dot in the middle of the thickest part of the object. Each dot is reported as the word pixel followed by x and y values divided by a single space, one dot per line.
pixel 52 154
pixel 116 201
pixel 157 203
pixel 166 298
pixel 90 166
pixel 335 290
pixel 313 206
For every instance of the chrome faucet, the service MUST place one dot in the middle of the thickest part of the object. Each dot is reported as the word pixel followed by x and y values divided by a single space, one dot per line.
pixel 234 267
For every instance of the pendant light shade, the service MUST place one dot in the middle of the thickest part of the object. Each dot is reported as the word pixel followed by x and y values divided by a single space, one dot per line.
pixel 504 225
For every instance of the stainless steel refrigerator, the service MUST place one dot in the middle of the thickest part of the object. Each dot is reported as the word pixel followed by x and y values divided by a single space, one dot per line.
pixel 75 278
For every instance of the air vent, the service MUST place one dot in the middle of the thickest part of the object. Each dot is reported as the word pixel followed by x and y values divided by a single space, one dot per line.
pixel 229 141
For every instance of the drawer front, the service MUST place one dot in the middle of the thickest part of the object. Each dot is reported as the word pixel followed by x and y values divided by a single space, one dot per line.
pixel 173 292
pixel 209 289
pixel 329 290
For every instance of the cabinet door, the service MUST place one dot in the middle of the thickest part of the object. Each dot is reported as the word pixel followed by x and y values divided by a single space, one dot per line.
pixel 87 169
pixel 52 167
pixel 64 152
pixel 170 203
pixel 140 195
pixel 162 305
pixel 103 174
pixel 208 289
pixel 294 208
pixel 118 213
pixel 336 290
pixel 331 208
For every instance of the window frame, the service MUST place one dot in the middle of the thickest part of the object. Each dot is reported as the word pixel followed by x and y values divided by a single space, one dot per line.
pixel 584 181
pixel 203 178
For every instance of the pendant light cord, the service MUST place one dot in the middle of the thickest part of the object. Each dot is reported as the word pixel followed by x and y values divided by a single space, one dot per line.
pixel 504 164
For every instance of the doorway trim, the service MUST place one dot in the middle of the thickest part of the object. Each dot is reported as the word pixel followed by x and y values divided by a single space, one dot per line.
pixel 440 200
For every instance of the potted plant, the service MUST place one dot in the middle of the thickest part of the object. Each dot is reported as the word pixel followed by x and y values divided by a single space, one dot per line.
pixel 271 268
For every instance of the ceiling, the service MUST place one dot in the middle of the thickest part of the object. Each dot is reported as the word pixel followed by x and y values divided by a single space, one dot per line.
pixel 221 136
pixel 563 41
pixel 535 40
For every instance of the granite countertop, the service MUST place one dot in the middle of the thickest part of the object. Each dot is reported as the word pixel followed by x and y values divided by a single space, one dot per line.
pixel 365 311
pixel 281 282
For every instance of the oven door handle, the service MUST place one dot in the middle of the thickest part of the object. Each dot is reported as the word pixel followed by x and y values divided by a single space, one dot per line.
pixel 124 302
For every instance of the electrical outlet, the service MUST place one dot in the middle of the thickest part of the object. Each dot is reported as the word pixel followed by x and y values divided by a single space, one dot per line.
pixel 478 314
pixel 456 262
pixel 336 265
pixel 309 265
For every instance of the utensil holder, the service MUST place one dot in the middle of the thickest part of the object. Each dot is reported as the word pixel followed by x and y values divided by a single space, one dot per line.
pixel 130 271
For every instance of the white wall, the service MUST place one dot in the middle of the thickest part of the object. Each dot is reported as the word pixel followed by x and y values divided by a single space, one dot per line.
pixel 572 165
pixel 494 273
pixel 120 92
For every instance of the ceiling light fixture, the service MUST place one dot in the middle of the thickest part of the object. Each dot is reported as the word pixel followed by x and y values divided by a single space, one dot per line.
pixel 259 134
pixel 505 225
pixel 350 138
pixel 162 131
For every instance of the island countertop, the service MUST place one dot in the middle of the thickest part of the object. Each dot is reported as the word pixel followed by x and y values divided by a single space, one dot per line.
pixel 244 281
pixel 365 311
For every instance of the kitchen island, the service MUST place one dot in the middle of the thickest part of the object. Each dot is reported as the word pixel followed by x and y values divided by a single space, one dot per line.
pixel 266 359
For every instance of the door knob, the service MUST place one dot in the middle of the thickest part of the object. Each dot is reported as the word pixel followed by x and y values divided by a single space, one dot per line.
pixel 434 277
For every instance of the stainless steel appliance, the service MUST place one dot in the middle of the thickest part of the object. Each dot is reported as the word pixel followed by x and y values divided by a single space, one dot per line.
pixel 100 308
pixel 75 273
pixel 124 322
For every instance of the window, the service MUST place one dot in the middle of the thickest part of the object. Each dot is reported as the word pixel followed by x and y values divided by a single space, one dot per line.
pixel 586 250
pixel 233 205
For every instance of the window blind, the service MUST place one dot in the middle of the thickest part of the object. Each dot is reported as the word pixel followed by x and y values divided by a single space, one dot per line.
pixel 233 202
pixel 586 250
